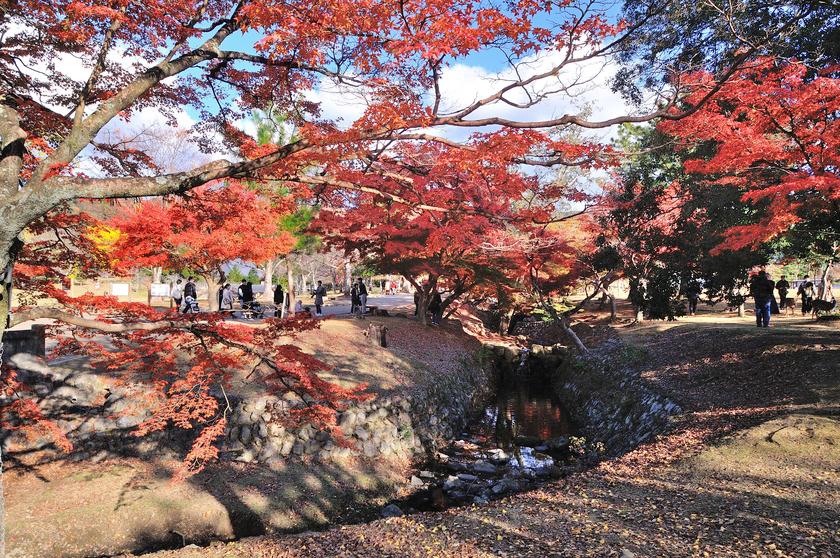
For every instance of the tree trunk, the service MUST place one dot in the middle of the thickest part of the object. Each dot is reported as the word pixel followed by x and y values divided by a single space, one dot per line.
pixel 157 274
pixel 504 323
pixel 5 316
pixel 742 310
pixel 290 291
pixel 423 307
pixel 212 294
pixel 640 314
pixel 269 279
pixel 825 288
pixel 567 329
pixel 348 277
pixel 606 294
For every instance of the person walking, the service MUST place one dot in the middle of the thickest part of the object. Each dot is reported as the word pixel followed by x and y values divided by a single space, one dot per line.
pixel 783 287
pixel 227 298
pixel 363 294
pixel 279 297
pixel 189 293
pixel 177 294
pixel 693 292
pixel 220 295
pixel 354 298
pixel 240 293
pixel 247 294
pixel 806 291
pixel 774 306
pixel 761 289
pixel 319 294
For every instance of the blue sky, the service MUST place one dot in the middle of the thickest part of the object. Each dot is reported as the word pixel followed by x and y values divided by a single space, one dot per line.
pixel 490 61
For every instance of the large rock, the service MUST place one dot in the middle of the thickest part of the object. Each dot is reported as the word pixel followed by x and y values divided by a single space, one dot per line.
pixel 483 467
pixel 391 510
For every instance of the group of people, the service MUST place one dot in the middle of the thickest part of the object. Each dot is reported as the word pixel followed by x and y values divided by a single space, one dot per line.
pixel 244 294
pixel 184 296
pixel 358 297
pixel 762 287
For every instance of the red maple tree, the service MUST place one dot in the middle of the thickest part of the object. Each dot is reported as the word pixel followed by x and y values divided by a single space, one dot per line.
pixel 776 137
pixel 202 232
pixel 180 58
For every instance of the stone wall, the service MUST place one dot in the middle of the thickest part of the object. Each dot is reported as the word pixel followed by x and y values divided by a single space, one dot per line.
pixel 95 414
pixel 383 426
pixel 30 341
pixel 406 424
pixel 609 400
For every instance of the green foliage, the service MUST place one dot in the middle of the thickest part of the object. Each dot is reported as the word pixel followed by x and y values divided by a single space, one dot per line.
pixel 253 276
pixel 235 275
pixel 298 223
pixel 273 126
pixel 660 261
pixel 684 35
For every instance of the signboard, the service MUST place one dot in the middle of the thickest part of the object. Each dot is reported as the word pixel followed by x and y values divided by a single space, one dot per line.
pixel 159 289
pixel 119 289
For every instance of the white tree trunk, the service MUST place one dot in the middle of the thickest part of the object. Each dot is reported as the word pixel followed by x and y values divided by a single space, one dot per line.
pixel 825 288
pixel 290 291
pixel 348 278
pixel 640 315
pixel 212 294
pixel 269 279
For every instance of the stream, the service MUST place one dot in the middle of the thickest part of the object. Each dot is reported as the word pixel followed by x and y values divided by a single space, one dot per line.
pixel 518 440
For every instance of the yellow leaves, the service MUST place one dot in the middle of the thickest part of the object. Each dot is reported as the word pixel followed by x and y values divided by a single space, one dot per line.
pixel 104 237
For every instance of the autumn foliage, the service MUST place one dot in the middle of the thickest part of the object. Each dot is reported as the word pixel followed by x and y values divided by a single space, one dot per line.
pixel 390 184
pixel 776 138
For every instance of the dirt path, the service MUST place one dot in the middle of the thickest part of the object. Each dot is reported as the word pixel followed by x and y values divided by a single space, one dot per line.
pixel 752 468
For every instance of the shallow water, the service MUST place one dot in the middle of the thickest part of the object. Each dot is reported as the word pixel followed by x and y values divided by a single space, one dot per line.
pixel 525 407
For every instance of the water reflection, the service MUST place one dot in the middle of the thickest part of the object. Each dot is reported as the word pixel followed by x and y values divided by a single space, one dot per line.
pixel 525 407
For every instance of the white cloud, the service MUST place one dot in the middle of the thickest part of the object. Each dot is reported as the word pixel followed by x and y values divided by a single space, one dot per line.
pixel 583 88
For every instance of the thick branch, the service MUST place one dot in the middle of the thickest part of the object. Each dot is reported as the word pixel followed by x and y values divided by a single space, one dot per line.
pixel 99 325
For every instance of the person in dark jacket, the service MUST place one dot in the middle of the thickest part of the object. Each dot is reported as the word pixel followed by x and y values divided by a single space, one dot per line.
pixel 783 287
pixel 247 293
pixel 318 294
pixel 761 289
pixel 806 291
pixel 189 288
pixel 354 298
pixel 363 294
pixel 240 293
pixel 189 292
pixel 278 301
pixel 693 292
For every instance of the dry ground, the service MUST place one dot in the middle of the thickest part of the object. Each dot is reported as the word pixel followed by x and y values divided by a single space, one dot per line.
pixel 74 509
pixel 752 467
